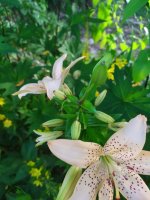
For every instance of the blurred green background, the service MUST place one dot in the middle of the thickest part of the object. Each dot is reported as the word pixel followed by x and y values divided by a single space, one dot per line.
pixel 33 33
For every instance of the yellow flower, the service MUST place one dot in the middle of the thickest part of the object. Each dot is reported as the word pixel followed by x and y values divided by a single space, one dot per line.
pixel 2 117
pixel 35 172
pixel 7 123
pixel 110 72
pixel 2 101
pixel 30 163
pixel 136 84
pixel 97 93
pixel 38 183
pixel 120 62
pixel 45 53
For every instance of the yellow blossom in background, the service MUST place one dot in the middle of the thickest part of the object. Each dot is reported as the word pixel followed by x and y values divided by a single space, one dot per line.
pixel 2 117
pixel 30 163
pixel 7 123
pixel 38 183
pixel 120 62
pixel 136 84
pixel 45 53
pixel 35 172
pixel 86 54
pixel 97 93
pixel 2 101
pixel 110 72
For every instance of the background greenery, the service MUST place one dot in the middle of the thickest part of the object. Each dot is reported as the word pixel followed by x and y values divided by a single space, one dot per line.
pixel 33 33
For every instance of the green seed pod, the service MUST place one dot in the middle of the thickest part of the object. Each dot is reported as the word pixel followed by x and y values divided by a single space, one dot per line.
pixel 69 183
pixel 104 117
pixel 53 123
pixel 100 98
pixel 75 130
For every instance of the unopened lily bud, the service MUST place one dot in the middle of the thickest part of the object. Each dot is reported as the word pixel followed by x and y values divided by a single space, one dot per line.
pixel 75 130
pixel 66 89
pixel 60 95
pixel 116 126
pixel 104 117
pixel 76 74
pixel 69 183
pixel 53 123
pixel 100 98
pixel 47 136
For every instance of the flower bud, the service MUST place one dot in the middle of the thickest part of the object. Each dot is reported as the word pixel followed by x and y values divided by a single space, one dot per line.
pixel 76 74
pixel 54 123
pixel 66 89
pixel 60 95
pixel 69 183
pixel 104 117
pixel 75 130
pixel 100 98
pixel 47 136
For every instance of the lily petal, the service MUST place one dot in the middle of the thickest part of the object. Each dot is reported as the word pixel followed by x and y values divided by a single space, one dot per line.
pixel 106 191
pixel 131 186
pixel 140 164
pixel 51 85
pixel 31 88
pixel 66 70
pixel 78 153
pixel 57 67
pixel 88 184
pixel 128 142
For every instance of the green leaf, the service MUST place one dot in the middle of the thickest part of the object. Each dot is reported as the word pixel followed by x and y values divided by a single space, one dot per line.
pixel 6 48
pixel 132 7
pixel 141 67
pixel 10 3
pixel 28 150
pixel 87 105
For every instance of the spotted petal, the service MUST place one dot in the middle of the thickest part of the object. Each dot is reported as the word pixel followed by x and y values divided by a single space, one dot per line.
pixel 88 184
pixel 128 142
pixel 57 67
pixel 106 191
pixel 131 185
pixel 51 85
pixel 78 153
pixel 140 164
pixel 31 88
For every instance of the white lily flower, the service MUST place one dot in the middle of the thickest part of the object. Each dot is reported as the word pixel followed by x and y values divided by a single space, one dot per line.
pixel 48 84
pixel 117 164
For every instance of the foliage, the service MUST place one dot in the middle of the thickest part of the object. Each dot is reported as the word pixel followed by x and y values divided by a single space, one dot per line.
pixel 33 33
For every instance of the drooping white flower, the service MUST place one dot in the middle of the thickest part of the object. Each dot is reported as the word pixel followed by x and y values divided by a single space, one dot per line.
pixel 48 84
pixel 117 164
pixel 46 136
